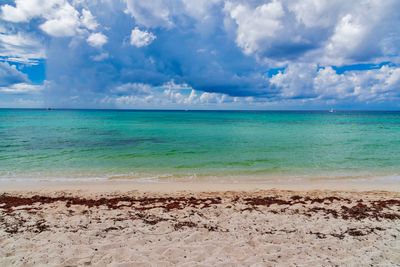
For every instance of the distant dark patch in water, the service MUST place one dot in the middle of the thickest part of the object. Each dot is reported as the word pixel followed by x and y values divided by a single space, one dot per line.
pixel 127 142
pixel 51 143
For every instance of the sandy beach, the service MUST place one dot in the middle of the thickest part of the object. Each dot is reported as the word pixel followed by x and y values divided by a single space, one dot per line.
pixel 191 225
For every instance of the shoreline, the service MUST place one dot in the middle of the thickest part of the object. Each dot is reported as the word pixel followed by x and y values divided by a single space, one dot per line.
pixel 356 185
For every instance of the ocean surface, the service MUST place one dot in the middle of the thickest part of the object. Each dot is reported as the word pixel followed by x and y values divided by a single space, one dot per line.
pixel 157 145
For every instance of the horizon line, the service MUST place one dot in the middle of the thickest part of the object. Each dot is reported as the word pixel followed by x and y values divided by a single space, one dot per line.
pixel 189 110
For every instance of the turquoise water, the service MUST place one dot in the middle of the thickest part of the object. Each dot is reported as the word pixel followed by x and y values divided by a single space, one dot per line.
pixel 71 144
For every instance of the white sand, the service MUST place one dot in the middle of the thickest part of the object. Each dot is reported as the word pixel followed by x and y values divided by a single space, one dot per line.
pixel 245 184
pixel 291 231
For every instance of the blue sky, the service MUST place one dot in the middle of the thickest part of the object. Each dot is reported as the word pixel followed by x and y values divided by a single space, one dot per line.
pixel 203 54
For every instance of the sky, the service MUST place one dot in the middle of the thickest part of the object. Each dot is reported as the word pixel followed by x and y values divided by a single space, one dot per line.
pixel 203 54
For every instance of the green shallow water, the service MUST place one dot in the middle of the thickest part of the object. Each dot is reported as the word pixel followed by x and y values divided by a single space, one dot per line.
pixel 70 144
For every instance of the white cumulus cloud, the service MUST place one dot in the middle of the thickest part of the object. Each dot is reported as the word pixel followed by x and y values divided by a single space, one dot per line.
pixel 24 10
pixel 255 25
pixel 307 81
pixel 97 39
pixel 88 20
pixel 141 38
pixel 63 22
pixel 61 17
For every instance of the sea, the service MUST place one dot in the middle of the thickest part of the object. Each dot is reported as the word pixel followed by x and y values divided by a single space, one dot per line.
pixel 151 145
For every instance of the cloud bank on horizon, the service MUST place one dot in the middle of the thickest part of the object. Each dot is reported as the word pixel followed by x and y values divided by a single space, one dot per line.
pixel 200 54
